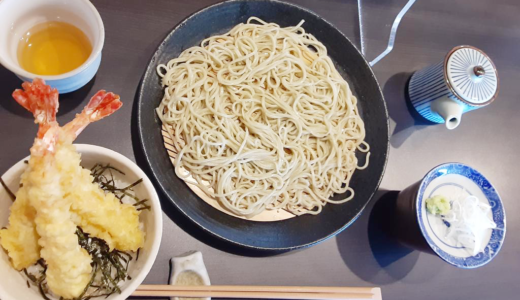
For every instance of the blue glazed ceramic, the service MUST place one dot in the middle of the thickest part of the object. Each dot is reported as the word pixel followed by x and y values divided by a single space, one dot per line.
pixel 448 179
pixel 74 82
pixel 466 80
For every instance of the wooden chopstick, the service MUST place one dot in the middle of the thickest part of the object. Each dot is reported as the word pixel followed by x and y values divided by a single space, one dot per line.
pixel 260 292
pixel 259 288
pixel 254 295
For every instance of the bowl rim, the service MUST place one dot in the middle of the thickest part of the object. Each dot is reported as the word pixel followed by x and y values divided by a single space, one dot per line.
pixel 96 51
pixel 491 191
pixel 156 209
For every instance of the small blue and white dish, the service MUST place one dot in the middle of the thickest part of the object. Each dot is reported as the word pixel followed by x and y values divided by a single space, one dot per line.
pixel 426 232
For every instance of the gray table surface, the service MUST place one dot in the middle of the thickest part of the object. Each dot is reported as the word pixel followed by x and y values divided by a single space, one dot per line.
pixel 487 139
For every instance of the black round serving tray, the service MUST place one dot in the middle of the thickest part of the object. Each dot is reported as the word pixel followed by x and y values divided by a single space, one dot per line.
pixel 283 235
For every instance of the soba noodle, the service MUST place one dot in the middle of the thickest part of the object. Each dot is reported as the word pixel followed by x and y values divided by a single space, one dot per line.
pixel 261 119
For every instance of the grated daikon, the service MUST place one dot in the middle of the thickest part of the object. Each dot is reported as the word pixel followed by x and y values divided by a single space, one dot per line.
pixel 468 221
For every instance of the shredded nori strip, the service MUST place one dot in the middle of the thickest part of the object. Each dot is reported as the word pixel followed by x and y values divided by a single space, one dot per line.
pixel 30 276
pixel 103 176
pixel 11 194
pixel 39 280
pixel 137 255
pixel 42 287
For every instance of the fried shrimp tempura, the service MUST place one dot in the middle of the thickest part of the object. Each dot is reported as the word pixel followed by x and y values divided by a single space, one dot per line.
pixel 57 195
pixel 98 213
pixel 21 239
pixel 68 265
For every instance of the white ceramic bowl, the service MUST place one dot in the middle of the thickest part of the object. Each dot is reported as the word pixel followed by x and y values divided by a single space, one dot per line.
pixel 13 283
pixel 18 16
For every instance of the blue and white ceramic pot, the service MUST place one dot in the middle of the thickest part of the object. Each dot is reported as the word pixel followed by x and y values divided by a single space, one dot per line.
pixel 466 80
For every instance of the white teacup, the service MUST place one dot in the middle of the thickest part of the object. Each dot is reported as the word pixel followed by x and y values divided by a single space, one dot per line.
pixel 18 16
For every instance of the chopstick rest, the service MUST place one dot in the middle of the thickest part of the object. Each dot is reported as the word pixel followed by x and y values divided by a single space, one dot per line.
pixel 189 270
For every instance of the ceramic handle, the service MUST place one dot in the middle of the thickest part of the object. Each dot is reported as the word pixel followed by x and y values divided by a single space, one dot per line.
pixel 449 110
pixel 479 71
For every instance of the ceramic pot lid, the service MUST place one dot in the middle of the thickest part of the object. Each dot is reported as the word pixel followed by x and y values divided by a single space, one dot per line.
pixel 471 75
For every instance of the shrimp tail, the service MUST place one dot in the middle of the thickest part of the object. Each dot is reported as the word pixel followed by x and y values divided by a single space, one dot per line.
pixel 41 100
pixel 101 105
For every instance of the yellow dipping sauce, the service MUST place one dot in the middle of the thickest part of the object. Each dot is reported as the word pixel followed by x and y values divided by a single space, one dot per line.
pixel 53 48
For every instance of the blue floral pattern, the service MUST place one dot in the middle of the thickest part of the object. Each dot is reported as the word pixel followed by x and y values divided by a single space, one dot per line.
pixel 499 217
